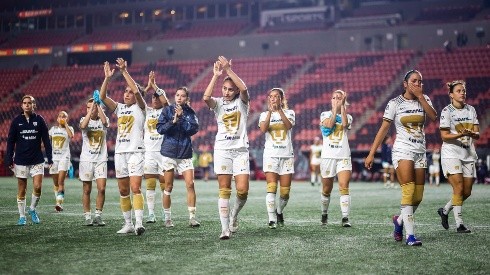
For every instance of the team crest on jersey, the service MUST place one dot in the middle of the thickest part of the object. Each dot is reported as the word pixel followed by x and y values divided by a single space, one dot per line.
pixel 35 123
pixel 223 167
pixel 456 167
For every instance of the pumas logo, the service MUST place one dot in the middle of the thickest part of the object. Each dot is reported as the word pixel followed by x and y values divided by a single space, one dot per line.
pixel 35 123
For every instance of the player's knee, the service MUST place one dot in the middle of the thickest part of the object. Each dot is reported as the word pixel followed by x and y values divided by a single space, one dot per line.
pixel 272 187
pixel 243 195
pixel 162 186
pixel 284 192
pixel 408 191
pixel 151 183
pixel 344 191
pixel 418 194
pixel 224 193
pixel 457 200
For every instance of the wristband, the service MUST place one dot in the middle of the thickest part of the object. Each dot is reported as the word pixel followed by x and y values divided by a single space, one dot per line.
pixel 160 92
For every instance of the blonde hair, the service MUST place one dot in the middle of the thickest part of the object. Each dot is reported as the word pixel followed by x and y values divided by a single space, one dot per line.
pixel 452 84
pixel 282 94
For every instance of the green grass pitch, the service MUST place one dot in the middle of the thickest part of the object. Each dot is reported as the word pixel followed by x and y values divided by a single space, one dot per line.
pixel 62 245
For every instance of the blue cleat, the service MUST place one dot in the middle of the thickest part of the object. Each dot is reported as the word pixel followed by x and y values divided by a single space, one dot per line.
pixel 412 241
pixel 398 231
pixel 22 221
pixel 34 216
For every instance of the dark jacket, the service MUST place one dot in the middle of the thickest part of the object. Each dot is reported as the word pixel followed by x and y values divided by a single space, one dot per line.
pixel 177 137
pixel 25 138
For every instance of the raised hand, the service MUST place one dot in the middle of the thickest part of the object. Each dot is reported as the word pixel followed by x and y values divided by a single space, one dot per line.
pixel 151 80
pixel 107 70
pixel 121 64
pixel 217 70
pixel 224 62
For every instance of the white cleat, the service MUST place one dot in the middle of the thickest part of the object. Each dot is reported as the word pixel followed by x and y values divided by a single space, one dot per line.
pixel 169 224
pixel 225 234
pixel 126 229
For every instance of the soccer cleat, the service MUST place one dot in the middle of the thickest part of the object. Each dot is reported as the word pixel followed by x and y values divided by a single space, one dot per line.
pixel 462 229
pixel 280 219
pixel 225 234
pixel 194 223
pixel 444 218
pixel 272 225
pixel 98 221
pixel 324 219
pixel 34 216
pixel 139 230
pixel 398 230
pixel 88 222
pixel 22 221
pixel 345 222
pixel 233 224
pixel 151 218
pixel 127 228
pixel 412 241
pixel 58 207
pixel 169 224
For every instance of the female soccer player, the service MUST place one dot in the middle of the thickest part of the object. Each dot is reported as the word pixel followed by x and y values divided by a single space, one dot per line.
pixel 231 157
pixel 459 128
pixel 387 162
pixel 93 160
pixel 336 158
pixel 129 151
pixel 408 111
pixel 26 133
pixel 278 159
pixel 153 166
pixel 315 160
pixel 60 136
pixel 178 122
pixel 434 168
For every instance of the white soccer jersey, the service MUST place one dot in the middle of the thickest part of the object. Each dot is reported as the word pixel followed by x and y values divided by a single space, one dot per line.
pixel 409 118
pixel 153 140
pixel 232 124
pixel 455 120
pixel 60 142
pixel 435 158
pixel 94 146
pixel 336 145
pixel 130 128
pixel 278 142
pixel 316 153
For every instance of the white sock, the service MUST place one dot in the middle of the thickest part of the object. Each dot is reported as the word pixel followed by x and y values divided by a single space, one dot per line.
pixel 150 201
pixel 400 217
pixel 345 205
pixel 458 217
pixel 138 214
pixel 282 204
pixel 325 203
pixel 437 180
pixel 167 212
pixel 239 203
pixel 21 205
pixel 270 202
pixel 34 201
pixel 408 221
pixel 313 177
pixel 448 207
pixel 192 212
pixel 224 213
pixel 127 217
